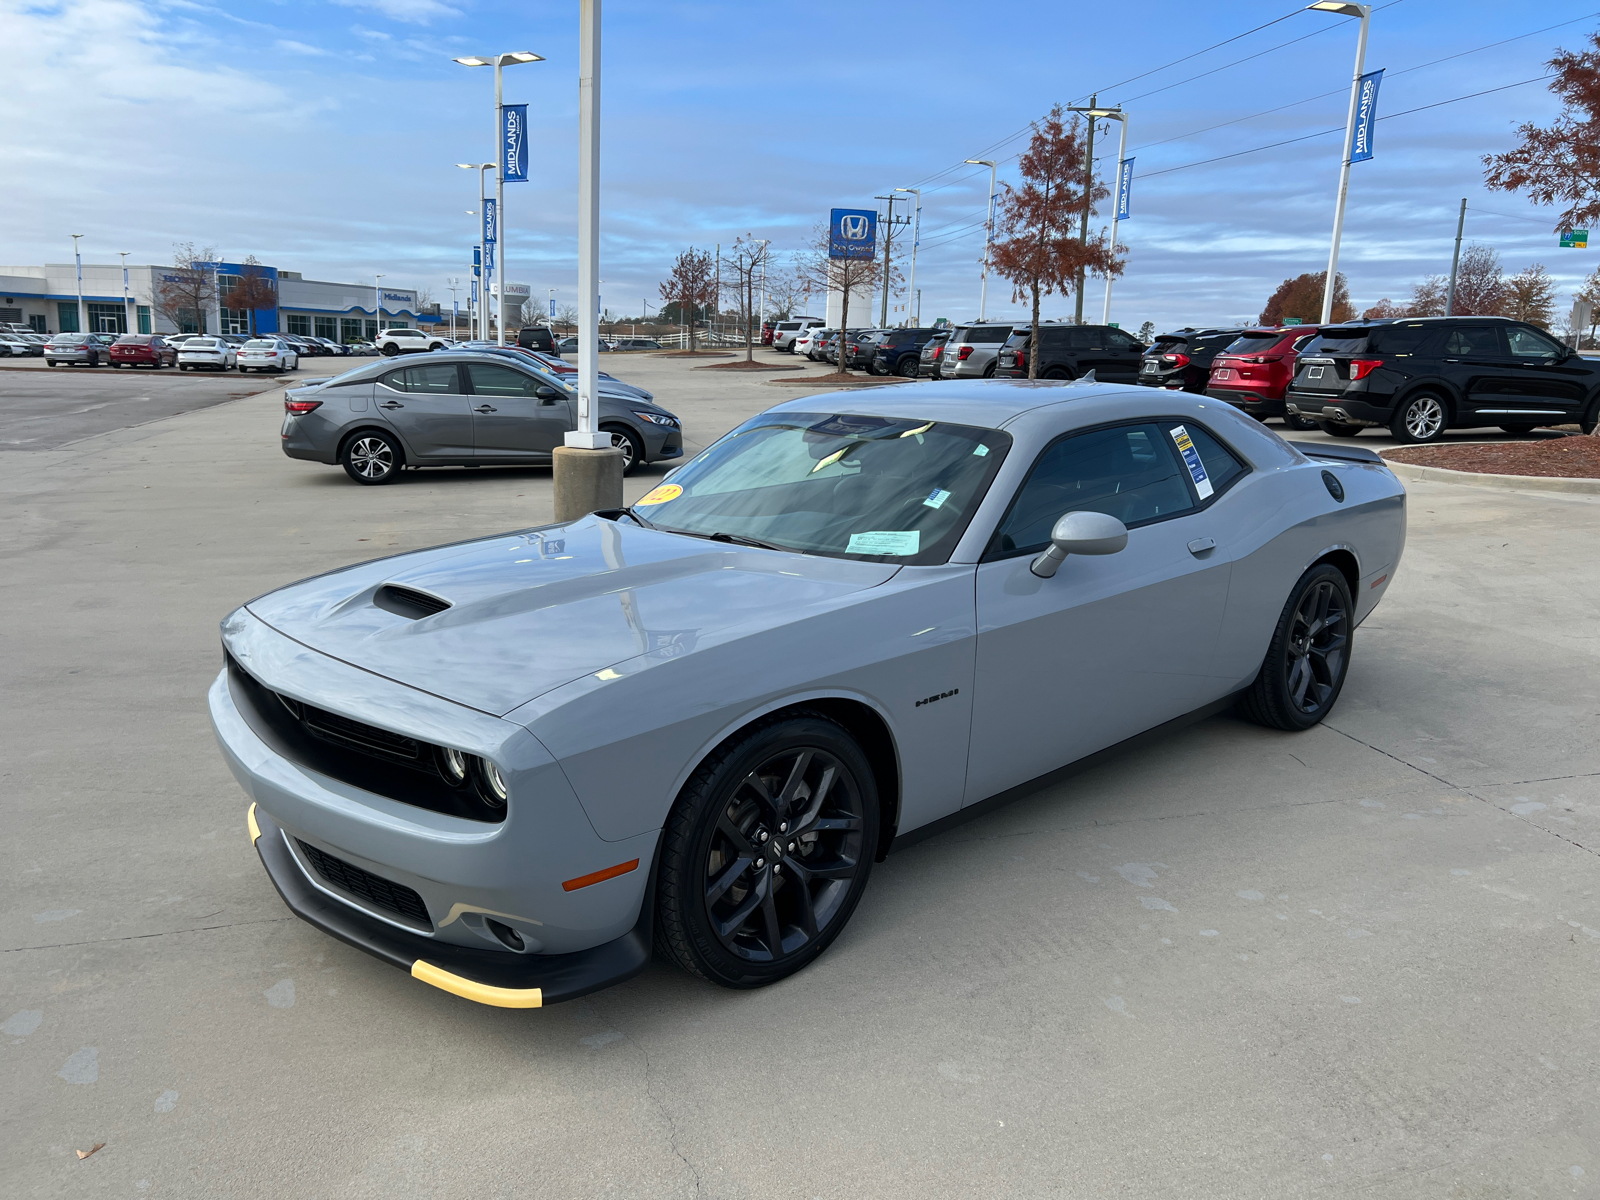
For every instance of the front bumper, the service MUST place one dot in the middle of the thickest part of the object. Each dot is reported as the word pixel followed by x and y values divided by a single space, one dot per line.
pixel 485 976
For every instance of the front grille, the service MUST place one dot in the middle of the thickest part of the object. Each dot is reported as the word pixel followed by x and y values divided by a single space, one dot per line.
pixel 377 891
pixel 360 736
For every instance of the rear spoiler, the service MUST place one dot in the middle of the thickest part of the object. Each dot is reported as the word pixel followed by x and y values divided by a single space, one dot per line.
pixel 1339 453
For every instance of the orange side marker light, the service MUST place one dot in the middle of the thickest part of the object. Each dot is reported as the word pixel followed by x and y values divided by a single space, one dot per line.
pixel 583 881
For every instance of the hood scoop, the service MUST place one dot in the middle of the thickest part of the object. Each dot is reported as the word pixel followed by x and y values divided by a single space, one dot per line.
pixel 408 602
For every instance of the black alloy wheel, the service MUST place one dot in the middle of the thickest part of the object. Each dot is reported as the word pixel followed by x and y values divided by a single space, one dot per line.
pixel 390 350
pixel 372 457
pixel 766 852
pixel 1057 373
pixel 624 440
pixel 1308 657
pixel 1419 419
pixel 1339 429
pixel 909 366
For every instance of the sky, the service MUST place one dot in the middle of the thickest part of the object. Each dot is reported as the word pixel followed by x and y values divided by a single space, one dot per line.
pixel 323 137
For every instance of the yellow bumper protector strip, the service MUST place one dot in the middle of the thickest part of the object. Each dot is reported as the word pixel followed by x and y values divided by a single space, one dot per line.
pixel 481 993
pixel 250 823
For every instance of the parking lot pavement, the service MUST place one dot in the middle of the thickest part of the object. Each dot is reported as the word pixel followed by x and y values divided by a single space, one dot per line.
pixel 44 411
pixel 1234 962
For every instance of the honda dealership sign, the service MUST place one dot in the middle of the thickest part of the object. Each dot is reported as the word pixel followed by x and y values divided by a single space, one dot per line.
pixel 853 233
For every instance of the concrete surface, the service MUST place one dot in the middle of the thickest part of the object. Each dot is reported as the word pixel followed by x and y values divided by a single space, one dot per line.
pixel 1360 960
pixel 46 412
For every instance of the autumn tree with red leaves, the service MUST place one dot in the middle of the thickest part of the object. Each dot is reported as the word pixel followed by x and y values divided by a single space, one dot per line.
pixel 1038 250
pixel 692 287
pixel 1560 164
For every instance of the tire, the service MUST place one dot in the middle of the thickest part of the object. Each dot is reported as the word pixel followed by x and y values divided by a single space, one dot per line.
pixel 1517 428
pixel 1056 373
pixel 721 917
pixel 1420 419
pixel 988 372
pixel 1309 656
pixel 390 350
pixel 1298 423
pixel 1338 428
pixel 372 457
pixel 909 367
pixel 628 442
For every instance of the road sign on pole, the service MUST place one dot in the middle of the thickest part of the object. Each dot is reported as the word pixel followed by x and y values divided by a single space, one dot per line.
pixel 1575 239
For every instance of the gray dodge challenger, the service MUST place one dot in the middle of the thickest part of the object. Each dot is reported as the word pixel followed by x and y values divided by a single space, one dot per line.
pixel 516 767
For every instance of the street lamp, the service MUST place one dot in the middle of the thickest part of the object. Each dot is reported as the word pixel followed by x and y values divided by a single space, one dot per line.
pixel 988 234
pixel 1112 114
pixel 83 321
pixel 499 61
pixel 1344 8
pixel 127 325
pixel 483 305
pixel 916 236
pixel 377 302
pixel 453 286
pixel 764 243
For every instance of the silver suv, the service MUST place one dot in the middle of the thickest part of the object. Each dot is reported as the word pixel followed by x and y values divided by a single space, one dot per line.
pixel 971 351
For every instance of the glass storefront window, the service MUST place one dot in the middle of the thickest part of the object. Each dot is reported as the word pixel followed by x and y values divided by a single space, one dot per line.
pixel 350 331
pixel 143 311
pixel 372 331
pixel 67 316
pixel 299 325
pixel 107 318
pixel 328 327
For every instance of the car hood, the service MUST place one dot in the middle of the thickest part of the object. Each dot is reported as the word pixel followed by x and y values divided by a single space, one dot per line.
pixel 534 610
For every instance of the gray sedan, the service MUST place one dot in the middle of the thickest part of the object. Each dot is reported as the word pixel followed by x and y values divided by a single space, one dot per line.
pixel 459 409
pixel 514 766
pixel 78 349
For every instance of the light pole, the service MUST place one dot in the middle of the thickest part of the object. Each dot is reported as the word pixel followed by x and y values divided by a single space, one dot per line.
pixel 1455 261
pixel 587 468
pixel 83 321
pixel 498 62
pixel 1344 8
pixel 480 168
pixel 127 324
pixel 988 234
pixel 916 236
pixel 764 243
pixel 377 301
pixel 1113 114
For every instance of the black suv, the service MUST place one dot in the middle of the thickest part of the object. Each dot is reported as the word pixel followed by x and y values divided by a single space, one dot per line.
pixel 1072 351
pixel 1183 359
pixel 537 337
pixel 899 351
pixel 1421 376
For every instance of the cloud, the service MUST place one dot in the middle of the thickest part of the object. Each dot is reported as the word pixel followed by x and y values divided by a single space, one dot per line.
pixel 302 48
pixel 413 12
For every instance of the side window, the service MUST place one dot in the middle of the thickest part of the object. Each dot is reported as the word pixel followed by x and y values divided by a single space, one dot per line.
pixel 394 380
pixel 1122 341
pixel 1221 467
pixel 1529 343
pixel 1128 471
pixel 1472 341
pixel 437 379
pixel 1401 339
pixel 490 380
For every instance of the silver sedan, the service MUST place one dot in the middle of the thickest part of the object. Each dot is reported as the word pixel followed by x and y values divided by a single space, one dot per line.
pixel 513 766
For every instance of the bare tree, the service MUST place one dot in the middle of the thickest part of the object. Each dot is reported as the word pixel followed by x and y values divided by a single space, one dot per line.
pixel 826 274
pixel 1560 164
pixel 184 293
pixel 1480 286
pixel 1590 291
pixel 1038 251
pixel 1385 308
pixel 743 265
pixel 567 316
pixel 691 288
pixel 1531 296
pixel 785 291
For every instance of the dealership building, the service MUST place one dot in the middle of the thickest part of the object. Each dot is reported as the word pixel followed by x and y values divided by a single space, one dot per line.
pixel 46 298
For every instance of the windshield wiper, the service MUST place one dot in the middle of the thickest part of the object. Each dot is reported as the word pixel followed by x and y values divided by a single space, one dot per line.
pixel 636 517
pixel 739 539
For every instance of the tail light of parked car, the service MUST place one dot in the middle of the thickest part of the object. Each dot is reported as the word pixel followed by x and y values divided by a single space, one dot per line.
pixel 1175 360
pixel 1360 368
pixel 937 350
pixel 963 354
pixel 300 408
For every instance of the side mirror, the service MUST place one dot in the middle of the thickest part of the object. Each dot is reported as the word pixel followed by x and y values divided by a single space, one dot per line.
pixel 1080 533
pixel 546 393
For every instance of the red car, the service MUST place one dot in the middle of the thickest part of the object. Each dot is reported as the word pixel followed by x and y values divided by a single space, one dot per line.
pixel 768 328
pixel 143 350
pixel 1252 372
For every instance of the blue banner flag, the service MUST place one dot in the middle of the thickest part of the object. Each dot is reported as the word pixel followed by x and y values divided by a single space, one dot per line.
pixel 514 143
pixel 477 258
pixel 491 222
pixel 474 289
pixel 853 233
pixel 1124 187
pixel 1366 116
pixel 488 257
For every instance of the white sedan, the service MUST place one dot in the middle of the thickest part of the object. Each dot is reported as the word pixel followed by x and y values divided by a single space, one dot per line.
pixel 210 352
pixel 267 354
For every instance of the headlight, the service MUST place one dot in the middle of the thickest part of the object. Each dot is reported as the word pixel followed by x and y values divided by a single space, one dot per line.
pixel 494 784
pixel 657 419
pixel 454 764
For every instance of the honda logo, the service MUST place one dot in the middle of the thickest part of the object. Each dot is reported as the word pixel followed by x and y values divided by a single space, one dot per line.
pixel 853 229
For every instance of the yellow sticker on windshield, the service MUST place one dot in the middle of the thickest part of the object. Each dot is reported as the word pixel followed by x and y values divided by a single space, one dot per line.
pixel 667 491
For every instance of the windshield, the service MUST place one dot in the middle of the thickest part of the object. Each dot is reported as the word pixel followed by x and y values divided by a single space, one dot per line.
pixel 886 489
pixel 1337 341
pixel 1253 343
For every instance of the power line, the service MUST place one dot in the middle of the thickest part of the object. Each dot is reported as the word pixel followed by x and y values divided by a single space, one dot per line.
pixel 1339 128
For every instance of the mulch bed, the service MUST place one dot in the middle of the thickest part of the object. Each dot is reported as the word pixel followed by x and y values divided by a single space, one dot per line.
pixel 692 353
pixel 856 378
pixel 1554 458
pixel 742 365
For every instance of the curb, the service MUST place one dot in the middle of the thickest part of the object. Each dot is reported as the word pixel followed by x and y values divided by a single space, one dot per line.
pixel 1414 473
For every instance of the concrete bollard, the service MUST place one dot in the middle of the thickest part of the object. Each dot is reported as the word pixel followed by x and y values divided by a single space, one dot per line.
pixel 586 481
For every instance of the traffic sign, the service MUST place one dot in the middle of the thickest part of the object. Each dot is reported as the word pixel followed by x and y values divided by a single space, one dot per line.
pixel 1574 239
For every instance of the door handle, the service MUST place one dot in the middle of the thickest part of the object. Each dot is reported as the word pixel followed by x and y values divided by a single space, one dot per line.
pixel 391 404
pixel 485 408
pixel 1202 545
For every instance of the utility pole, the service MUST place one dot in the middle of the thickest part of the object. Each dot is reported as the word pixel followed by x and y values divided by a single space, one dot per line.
pixel 988 236
pixel 1088 201
pixel 1455 261
pixel 888 249
pixel 916 240
pixel 716 298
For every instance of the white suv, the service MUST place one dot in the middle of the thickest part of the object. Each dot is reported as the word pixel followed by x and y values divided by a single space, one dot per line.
pixel 784 335
pixel 408 341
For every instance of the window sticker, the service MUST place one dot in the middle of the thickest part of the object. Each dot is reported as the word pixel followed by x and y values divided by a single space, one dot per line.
pixel 885 541
pixel 667 491
pixel 981 450
pixel 936 498
pixel 1191 459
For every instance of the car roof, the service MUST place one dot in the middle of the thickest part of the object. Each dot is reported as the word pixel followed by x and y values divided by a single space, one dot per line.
pixel 991 403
